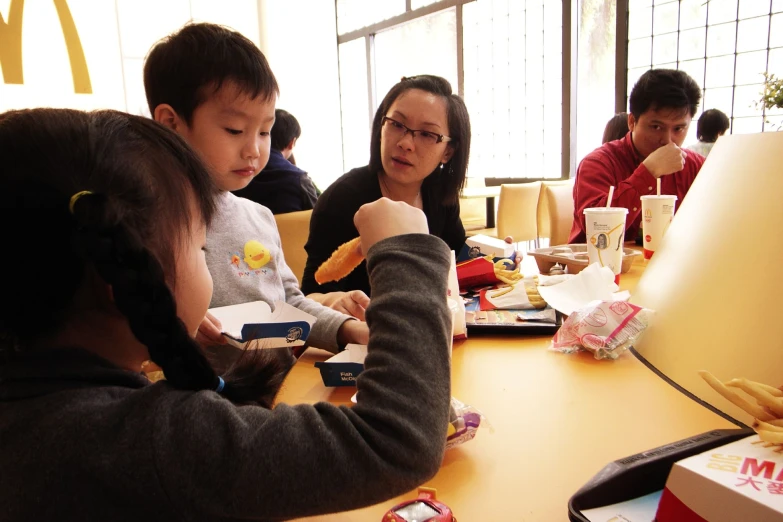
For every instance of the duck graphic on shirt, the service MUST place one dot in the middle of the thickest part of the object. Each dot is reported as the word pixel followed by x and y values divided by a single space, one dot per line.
pixel 256 254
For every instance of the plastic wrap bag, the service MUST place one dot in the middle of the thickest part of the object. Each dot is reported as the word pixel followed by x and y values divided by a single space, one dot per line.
pixel 605 328
pixel 464 422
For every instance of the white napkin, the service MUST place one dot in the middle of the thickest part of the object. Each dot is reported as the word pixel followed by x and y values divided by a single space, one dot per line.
pixel 593 283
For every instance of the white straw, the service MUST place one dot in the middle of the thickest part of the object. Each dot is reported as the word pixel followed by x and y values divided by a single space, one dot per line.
pixel 609 199
pixel 658 183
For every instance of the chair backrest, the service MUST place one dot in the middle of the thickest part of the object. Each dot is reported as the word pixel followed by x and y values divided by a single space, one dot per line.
pixel 543 207
pixel 294 229
pixel 560 209
pixel 473 211
pixel 517 211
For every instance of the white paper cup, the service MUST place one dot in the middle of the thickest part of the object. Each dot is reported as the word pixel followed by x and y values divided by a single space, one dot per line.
pixel 454 307
pixel 605 234
pixel 657 213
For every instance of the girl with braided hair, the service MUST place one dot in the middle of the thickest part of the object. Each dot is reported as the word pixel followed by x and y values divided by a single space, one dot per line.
pixel 107 214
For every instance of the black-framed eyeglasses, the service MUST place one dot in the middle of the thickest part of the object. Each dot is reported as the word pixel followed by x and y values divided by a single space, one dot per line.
pixel 423 137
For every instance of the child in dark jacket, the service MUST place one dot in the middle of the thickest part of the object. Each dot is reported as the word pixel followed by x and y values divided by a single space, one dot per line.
pixel 115 207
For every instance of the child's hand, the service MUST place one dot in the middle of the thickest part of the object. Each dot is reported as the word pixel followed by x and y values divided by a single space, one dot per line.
pixel 385 218
pixel 351 303
pixel 356 332
pixel 209 331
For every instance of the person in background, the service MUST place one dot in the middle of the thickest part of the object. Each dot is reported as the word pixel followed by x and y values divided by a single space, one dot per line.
pixel 122 205
pixel 419 150
pixel 616 128
pixel 281 186
pixel 662 105
pixel 712 124
pixel 215 88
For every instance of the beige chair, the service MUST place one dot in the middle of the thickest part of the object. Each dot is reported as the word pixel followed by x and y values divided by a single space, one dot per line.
pixel 560 212
pixel 543 207
pixel 294 228
pixel 517 208
pixel 473 211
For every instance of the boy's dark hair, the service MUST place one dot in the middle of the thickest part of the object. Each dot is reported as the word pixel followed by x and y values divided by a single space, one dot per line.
pixel 664 89
pixel 285 129
pixel 187 67
pixel 446 182
pixel 143 181
pixel 616 128
pixel 712 123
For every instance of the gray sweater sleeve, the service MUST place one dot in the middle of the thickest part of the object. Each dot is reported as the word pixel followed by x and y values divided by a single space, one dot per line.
pixel 328 321
pixel 218 461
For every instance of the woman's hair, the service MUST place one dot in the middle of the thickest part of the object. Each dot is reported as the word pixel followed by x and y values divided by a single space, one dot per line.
pixel 616 128
pixel 143 181
pixel 446 181
pixel 712 124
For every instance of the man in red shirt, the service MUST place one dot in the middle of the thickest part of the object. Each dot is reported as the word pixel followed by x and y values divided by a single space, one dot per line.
pixel 662 105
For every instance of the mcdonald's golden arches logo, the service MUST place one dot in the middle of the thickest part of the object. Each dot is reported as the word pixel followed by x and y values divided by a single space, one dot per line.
pixel 11 46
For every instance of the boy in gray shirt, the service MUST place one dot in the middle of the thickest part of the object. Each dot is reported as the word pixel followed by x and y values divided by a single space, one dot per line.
pixel 214 87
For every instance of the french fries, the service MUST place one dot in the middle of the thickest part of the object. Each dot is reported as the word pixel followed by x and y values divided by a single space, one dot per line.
pixel 767 412
pixel 512 278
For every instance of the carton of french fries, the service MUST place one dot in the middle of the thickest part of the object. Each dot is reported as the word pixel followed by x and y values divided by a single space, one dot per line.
pixel 740 481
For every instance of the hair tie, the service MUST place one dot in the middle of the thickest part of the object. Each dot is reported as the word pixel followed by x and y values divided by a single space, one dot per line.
pixel 221 384
pixel 76 197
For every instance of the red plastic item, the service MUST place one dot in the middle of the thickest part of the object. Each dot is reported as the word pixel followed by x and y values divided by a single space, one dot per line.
pixel 424 508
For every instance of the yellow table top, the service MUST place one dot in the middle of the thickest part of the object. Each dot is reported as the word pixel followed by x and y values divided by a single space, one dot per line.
pixel 556 420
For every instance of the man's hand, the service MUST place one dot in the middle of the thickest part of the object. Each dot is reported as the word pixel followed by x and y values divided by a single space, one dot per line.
pixel 666 160
pixel 351 331
pixel 352 303
pixel 209 331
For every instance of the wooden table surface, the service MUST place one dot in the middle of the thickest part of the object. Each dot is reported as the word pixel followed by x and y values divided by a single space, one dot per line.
pixel 553 421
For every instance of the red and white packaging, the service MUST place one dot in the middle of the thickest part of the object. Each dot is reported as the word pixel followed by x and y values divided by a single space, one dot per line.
pixel 741 481
pixel 606 328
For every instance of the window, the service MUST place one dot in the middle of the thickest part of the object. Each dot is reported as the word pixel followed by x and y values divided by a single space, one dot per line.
pixel 725 45
pixel 513 87
pixel 503 56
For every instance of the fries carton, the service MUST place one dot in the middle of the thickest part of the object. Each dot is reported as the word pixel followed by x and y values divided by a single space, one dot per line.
pixel 343 368
pixel 742 480
pixel 256 324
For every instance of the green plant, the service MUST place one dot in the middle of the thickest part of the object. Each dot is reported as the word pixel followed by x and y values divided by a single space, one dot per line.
pixel 772 95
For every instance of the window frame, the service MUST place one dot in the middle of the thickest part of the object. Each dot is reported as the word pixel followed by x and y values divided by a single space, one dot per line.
pixel 568 120
pixel 621 68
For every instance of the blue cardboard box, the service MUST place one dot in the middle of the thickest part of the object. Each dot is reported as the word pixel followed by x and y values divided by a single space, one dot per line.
pixel 255 326
pixel 343 368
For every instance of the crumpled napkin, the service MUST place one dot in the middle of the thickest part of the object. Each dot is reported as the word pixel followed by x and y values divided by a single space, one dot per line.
pixel 593 283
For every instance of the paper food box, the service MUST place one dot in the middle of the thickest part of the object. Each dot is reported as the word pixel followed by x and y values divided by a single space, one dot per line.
pixel 255 323
pixel 343 368
pixel 741 481
pixel 481 246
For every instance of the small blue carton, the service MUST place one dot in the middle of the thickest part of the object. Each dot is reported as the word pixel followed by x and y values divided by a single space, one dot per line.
pixel 254 326
pixel 343 368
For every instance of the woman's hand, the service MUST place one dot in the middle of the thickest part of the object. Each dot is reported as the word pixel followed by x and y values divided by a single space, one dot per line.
pixel 352 303
pixel 351 331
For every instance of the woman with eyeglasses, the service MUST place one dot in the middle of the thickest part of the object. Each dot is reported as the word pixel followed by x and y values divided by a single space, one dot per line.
pixel 419 150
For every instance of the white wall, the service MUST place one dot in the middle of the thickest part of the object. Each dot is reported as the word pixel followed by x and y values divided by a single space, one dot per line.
pixel 115 36
pixel 299 39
